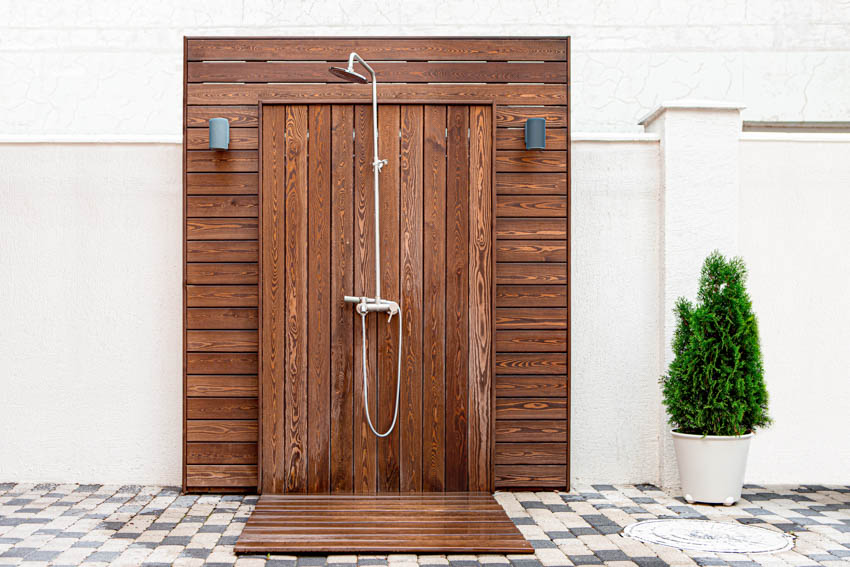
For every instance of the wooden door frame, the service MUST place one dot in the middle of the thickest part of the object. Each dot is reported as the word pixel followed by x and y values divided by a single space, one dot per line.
pixel 323 99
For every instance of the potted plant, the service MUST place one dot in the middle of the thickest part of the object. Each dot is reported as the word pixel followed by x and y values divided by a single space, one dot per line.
pixel 714 389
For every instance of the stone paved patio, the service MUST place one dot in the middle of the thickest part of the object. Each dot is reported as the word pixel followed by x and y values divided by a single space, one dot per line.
pixel 69 524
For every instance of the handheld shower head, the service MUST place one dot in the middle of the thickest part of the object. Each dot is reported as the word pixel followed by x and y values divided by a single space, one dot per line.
pixel 349 75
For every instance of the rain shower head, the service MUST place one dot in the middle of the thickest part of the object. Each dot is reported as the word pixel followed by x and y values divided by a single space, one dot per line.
pixel 349 75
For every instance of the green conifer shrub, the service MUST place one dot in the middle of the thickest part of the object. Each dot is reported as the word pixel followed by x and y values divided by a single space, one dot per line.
pixel 715 383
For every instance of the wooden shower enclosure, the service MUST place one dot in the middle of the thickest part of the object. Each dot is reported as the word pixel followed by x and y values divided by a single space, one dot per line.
pixel 474 248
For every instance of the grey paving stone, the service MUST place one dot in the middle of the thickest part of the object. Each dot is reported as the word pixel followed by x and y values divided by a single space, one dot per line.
pixel 106 556
pixel 708 561
pixel 560 535
pixel 649 562
pixel 585 559
pixel 529 562
pixel 611 555
pixel 19 552
pixel 584 531
pixel 87 543
pixel 176 540
pixel 197 553
pixel 523 521
pixel 42 555
pixel 536 544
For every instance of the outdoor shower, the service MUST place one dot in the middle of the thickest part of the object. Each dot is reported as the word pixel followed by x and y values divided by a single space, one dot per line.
pixel 365 305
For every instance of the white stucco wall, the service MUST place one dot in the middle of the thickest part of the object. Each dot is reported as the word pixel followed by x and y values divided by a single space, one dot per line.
pixel 90 308
pixel 794 233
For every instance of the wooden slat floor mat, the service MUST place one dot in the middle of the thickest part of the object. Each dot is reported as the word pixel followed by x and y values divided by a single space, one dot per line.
pixel 452 522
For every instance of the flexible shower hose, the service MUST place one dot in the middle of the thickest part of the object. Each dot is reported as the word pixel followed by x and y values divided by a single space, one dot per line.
pixel 366 382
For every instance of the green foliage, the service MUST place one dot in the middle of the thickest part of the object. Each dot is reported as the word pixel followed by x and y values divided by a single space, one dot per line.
pixel 715 384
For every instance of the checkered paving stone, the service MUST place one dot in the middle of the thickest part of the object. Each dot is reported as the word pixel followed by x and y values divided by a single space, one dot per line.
pixel 92 524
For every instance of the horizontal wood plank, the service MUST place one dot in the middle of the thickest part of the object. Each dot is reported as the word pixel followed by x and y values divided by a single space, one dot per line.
pixel 214 386
pixel 525 206
pixel 378 49
pixel 222 206
pixel 221 229
pixel 531 454
pixel 239 161
pixel 533 386
pixel 531 296
pixel 531 183
pixel 239 116
pixel 221 408
pixel 531 250
pixel 531 363
pixel 221 318
pixel 221 183
pixel 531 430
pixel 531 408
pixel 387 72
pixel 514 138
pixel 221 250
pixel 530 318
pixel 531 341
pixel 221 296
pixel 221 341
pixel 531 476
pixel 532 229
pixel 223 94
pixel 221 453
pixel 515 116
pixel 221 475
pixel 551 273
pixel 240 139
pixel 221 363
pixel 221 430
pixel 534 161
pixel 222 273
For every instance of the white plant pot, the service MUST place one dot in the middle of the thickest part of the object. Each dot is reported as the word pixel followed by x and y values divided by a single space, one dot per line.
pixel 711 468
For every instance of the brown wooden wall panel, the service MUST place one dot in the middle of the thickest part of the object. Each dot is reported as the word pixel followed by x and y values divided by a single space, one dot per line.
pixel 379 49
pixel 531 430
pixel 531 408
pixel 221 453
pixel 526 77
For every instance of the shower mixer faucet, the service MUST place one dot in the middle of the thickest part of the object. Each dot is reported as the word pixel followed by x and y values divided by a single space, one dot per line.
pixel 365 305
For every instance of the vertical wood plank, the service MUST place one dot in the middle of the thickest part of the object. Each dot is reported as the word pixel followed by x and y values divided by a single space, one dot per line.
pixel 410 412
pixel 319 299
pixel 480 295
pixel 365 446
pixel 342 318
pixel 457 294
pixel 387 345
pixel 434 284
pixel 296 298
pixel 273 299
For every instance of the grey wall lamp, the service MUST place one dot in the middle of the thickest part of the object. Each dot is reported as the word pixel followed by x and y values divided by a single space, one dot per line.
pixel 219 133
pixel 535 134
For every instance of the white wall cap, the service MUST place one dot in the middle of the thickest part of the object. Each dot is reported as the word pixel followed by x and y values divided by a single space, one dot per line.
pixel 686 104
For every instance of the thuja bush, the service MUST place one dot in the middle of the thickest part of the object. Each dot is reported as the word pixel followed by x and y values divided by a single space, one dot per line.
pixel 715 383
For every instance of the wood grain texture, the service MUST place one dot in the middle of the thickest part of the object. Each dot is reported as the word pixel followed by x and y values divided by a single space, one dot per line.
pixel 532 252
pixel 296 208
pixel 274 300
pixel 218 94
pixel 221 475
pixel 221 430
pixel 221 363
pixel 222 184
pixel 222 250
pixel 531 386
pixel 411 247
pixel 221 454
pixel 531 408
pixel 221 408
pixel 387 345
pixel 434 278
pixel 531 454
pixel 531 363
pixel 457 298
pixel 531 430
pixel 480 296
pixel 387 72
pixel 365 445
pixel 319 298
pixel 342 283
pixel 379 49
pixel 381 523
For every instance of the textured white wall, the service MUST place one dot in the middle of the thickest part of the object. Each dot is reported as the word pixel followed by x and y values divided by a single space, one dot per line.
pixel 90 272
pixel 615 308
pixel 114 66
pixel 794 235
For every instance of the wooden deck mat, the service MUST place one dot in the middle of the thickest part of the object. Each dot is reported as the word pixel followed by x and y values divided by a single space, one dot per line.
pixel 453 522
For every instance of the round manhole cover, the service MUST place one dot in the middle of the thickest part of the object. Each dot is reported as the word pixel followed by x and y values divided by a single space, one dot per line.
pixel 703 535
